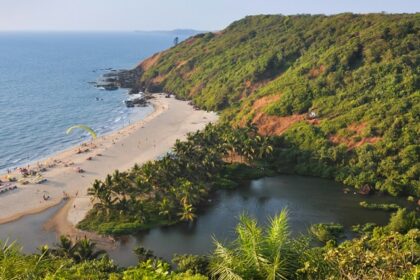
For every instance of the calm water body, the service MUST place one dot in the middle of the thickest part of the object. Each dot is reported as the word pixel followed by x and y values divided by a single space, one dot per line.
pixel 44 88
pixel 309 200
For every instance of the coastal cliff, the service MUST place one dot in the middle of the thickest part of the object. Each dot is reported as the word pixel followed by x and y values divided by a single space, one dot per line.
pixel 341 92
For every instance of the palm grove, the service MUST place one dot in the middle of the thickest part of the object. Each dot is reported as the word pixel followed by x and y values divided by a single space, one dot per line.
pixel 348 88
pixel 170 189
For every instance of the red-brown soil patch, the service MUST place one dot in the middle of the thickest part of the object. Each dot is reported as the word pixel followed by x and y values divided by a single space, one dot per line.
pixel 358 128
pixel 149 62
pixel 259 104
pixel 181 63
pixel 158 79
pixel 316 71
pixel 271 125
pixel 314 121
pixel 274 125
pixel 353 141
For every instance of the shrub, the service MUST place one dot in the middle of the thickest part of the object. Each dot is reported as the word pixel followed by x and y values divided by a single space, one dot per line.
pixel 327 232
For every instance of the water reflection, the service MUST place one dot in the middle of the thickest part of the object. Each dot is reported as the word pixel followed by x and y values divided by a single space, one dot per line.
pixel 309 200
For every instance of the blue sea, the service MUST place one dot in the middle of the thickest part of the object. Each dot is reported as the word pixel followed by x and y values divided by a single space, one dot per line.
pixel 44 88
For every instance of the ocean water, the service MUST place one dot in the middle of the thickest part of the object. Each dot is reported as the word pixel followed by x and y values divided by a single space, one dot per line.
pixel 44 88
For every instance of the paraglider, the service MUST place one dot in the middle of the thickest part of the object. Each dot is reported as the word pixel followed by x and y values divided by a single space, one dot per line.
pixel 88 129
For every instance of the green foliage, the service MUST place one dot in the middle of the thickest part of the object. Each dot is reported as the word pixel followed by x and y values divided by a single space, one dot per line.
pixel 350 69
pixel 388 256
pixel 271 253
pixel 244 172
pixel 14 265
pixel 192 263
pixel 403 220
pixel 257 253
pixel 52 265
pixel 380 206
pixel 327 232
pixel 88 270
pixel 157 271
pixel 79 251
pixel 169 190
pixel 359 73
pixel 144 254
pixel 364 229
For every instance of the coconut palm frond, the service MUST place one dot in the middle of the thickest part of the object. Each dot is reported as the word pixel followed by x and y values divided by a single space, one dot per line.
pixel 224 263
pixel 278 232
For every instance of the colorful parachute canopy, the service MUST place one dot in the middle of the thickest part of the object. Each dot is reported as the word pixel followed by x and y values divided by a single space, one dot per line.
pixel 88 129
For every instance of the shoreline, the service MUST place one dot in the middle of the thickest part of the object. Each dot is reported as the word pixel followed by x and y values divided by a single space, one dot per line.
pixel 72 146
pixel 171 119
pixel 64 154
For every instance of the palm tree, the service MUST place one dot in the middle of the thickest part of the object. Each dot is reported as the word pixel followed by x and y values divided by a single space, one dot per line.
pixel 86 250
pixel 140 213
pixel 65 248
pixel 102 191
pixel 187 213
pixel 256 254
pixel 186 192
pixel 165 208
pixel 265 147
pixel 144 254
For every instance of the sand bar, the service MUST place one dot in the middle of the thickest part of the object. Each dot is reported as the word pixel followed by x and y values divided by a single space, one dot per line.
pixel 142 141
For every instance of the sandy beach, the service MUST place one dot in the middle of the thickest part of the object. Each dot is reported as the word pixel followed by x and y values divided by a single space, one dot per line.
pixel 142 141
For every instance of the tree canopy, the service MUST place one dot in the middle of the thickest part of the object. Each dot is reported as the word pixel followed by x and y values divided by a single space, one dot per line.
pixel 341 91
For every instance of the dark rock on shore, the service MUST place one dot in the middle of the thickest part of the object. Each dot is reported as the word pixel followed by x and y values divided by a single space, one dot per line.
pixel 141 101
pixel 110 86
pixel 127 79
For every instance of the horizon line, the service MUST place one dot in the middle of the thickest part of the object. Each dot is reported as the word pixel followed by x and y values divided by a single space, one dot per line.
pixel 202 30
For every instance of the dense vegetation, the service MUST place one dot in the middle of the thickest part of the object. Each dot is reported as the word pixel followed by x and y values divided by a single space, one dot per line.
pixel 387 253
pixel 335 97
pixel 342 91
pixel 59 263
pixel 168 190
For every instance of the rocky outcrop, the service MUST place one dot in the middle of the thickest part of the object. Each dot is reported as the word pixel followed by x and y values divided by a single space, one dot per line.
pixel 116 79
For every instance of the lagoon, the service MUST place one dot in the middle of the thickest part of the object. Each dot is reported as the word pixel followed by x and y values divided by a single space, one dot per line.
pixel 309 200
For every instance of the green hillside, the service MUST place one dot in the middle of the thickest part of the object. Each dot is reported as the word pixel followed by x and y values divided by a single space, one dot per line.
pixel 342 91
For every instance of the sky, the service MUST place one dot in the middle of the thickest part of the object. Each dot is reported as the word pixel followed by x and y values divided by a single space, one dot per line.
pixel 118 15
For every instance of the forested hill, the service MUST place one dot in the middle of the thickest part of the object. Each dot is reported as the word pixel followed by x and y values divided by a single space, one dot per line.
pixel 342 91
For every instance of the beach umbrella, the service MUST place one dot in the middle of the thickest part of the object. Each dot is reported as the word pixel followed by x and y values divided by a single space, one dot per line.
pixel 84 127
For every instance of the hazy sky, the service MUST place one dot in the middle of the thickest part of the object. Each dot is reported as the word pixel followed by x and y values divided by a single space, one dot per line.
pixel 170 14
